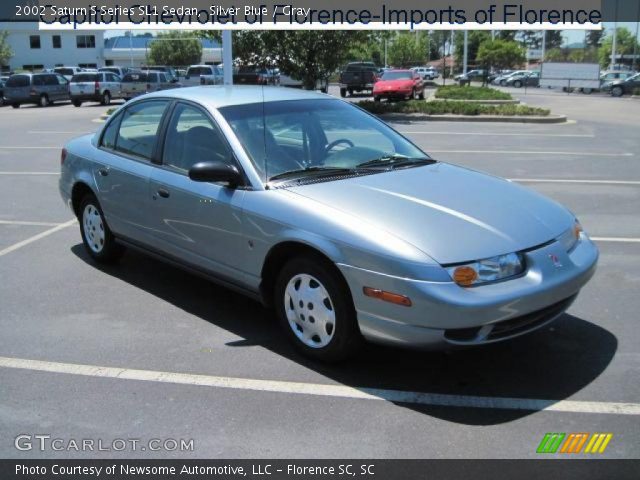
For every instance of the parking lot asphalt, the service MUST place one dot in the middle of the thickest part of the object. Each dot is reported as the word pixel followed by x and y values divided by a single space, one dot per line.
pixel 182 358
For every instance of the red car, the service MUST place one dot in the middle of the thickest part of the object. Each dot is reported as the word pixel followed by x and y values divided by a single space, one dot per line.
pixel 399 84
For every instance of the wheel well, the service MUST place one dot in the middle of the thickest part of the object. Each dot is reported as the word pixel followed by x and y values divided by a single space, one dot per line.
pixel 80 190
pixel 276 259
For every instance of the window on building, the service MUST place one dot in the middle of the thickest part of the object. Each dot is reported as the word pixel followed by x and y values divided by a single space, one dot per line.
pixel 34 41
pixel 86 41
pixel 56 40
pixel 88 65
pixel 33 68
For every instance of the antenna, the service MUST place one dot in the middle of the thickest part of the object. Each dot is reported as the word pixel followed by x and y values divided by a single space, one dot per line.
pixel 264 137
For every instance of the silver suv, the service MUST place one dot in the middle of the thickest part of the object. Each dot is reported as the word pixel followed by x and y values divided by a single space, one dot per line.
pixel 95 87
pixel 40 88
pixel 139 83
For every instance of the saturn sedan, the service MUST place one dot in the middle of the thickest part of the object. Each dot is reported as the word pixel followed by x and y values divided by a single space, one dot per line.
pixel 321 211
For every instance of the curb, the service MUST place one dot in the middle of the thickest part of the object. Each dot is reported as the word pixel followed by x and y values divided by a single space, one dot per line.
pixel 472 118
pixel 483 102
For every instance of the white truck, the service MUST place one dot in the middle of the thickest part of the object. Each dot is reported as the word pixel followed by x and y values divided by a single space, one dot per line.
pixel 203 75
pixel 570 76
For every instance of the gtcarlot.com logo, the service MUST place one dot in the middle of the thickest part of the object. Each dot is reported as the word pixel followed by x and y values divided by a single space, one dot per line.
pixel 574 443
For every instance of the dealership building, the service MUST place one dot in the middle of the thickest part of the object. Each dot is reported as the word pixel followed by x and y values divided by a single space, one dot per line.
pixel 35 49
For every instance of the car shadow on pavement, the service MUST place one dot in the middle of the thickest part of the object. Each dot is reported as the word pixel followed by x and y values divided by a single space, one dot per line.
pixel 551 364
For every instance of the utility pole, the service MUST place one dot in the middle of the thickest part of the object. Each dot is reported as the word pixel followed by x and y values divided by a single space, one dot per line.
pixel 227 57
pixel 544 45
pixel 385 53
pixel 451 50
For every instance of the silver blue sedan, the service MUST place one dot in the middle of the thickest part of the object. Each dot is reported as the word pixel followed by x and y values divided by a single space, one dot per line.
pixel 323 212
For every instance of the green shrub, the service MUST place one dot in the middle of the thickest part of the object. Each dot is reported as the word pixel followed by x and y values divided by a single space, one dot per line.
pixel 452 107
pixel 455 92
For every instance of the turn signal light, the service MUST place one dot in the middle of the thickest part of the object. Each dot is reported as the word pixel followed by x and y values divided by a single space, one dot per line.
pixel 464 276
pixel 387 296
pixel 577 229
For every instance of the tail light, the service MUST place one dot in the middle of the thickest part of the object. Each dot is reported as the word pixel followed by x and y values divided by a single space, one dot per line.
pixel 63 156
pixel 97 86
pixel 33 92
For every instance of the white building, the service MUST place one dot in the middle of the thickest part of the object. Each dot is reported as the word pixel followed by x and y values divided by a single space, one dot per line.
pixel 133 51
pixel 34 49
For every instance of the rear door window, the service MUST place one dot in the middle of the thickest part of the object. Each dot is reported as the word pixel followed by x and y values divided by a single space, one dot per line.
pixel 18 81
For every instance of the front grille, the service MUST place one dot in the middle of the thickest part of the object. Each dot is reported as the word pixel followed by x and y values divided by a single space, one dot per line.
pixel 513 326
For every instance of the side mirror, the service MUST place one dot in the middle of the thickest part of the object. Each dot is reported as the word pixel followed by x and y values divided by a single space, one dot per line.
pixel 215 172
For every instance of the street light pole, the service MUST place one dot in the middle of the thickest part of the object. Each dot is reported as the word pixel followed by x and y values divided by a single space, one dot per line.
pixel 635 44
pixel 466 52
pixel 227 57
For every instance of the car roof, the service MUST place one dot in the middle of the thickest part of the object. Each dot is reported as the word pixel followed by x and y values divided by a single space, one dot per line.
pixel 218 96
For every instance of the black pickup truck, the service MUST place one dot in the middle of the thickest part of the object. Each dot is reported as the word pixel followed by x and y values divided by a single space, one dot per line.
pixel 358 77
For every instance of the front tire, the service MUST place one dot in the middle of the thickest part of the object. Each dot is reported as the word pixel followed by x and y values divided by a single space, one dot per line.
pixel 517 84
pixel 315 309
pixel 106 99
pixel 44 101
pixel 343 92
pixel 96 236
pixel 15 105
pixel 617 91
pixel 77 103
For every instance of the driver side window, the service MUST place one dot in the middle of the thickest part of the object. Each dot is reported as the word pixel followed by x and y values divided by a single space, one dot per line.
pixel 192 138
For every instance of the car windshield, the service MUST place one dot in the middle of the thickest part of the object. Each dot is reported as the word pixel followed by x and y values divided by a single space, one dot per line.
pixel 396 76
pixel 316 136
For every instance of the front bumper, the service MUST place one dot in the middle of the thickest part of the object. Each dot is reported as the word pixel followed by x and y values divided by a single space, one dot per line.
pixel 392 93
pixel 445 314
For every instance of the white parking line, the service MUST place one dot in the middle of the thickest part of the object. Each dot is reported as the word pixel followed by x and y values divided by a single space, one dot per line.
pixel 76 132
pixel 530 152
pixel 37 237
pixel 29 173
pixel 588 182
pixel 28 147
pixel 616 239
pixel 497 134
pixel 34 224
pixel 341 391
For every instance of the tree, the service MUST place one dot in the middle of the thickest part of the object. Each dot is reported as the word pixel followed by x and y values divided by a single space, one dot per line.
pixel 176 48
pixel 554 39
pixel 594 38
pixel 475 38
pixel 625 43
pixel 500 54
pixel 408 49
pixel 305 55
pixel 5 50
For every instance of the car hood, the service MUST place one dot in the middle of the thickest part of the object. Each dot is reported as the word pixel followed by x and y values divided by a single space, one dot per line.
pixel 450 213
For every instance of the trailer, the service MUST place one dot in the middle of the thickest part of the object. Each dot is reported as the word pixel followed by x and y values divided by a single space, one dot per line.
pixel 570 76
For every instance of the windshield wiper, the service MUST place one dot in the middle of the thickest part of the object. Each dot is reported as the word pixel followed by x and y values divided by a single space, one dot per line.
pixel 393 161
pixel 315 169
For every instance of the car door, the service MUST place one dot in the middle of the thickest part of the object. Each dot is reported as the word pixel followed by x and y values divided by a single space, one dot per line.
pixel 114 85
pixel 128 146
pixel 197 222
pixel 61 87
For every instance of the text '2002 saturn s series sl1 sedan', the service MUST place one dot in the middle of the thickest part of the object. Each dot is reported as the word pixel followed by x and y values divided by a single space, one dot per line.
pixel 324 212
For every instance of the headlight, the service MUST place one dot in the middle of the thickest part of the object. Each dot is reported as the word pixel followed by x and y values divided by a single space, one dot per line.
pixel 487 270
pixel 569 239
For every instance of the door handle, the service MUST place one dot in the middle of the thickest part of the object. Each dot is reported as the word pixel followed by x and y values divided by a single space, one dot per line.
pixel 163 192
pixel 103 172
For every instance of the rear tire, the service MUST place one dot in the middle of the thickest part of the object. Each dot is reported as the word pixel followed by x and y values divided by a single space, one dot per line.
pixel 106 99
pixel 315 309
pixel 343 92
pixel 517 84
pixel 376 98
pixel 96 236
pixel 421 96
pixel 77 103
pixel 15 105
